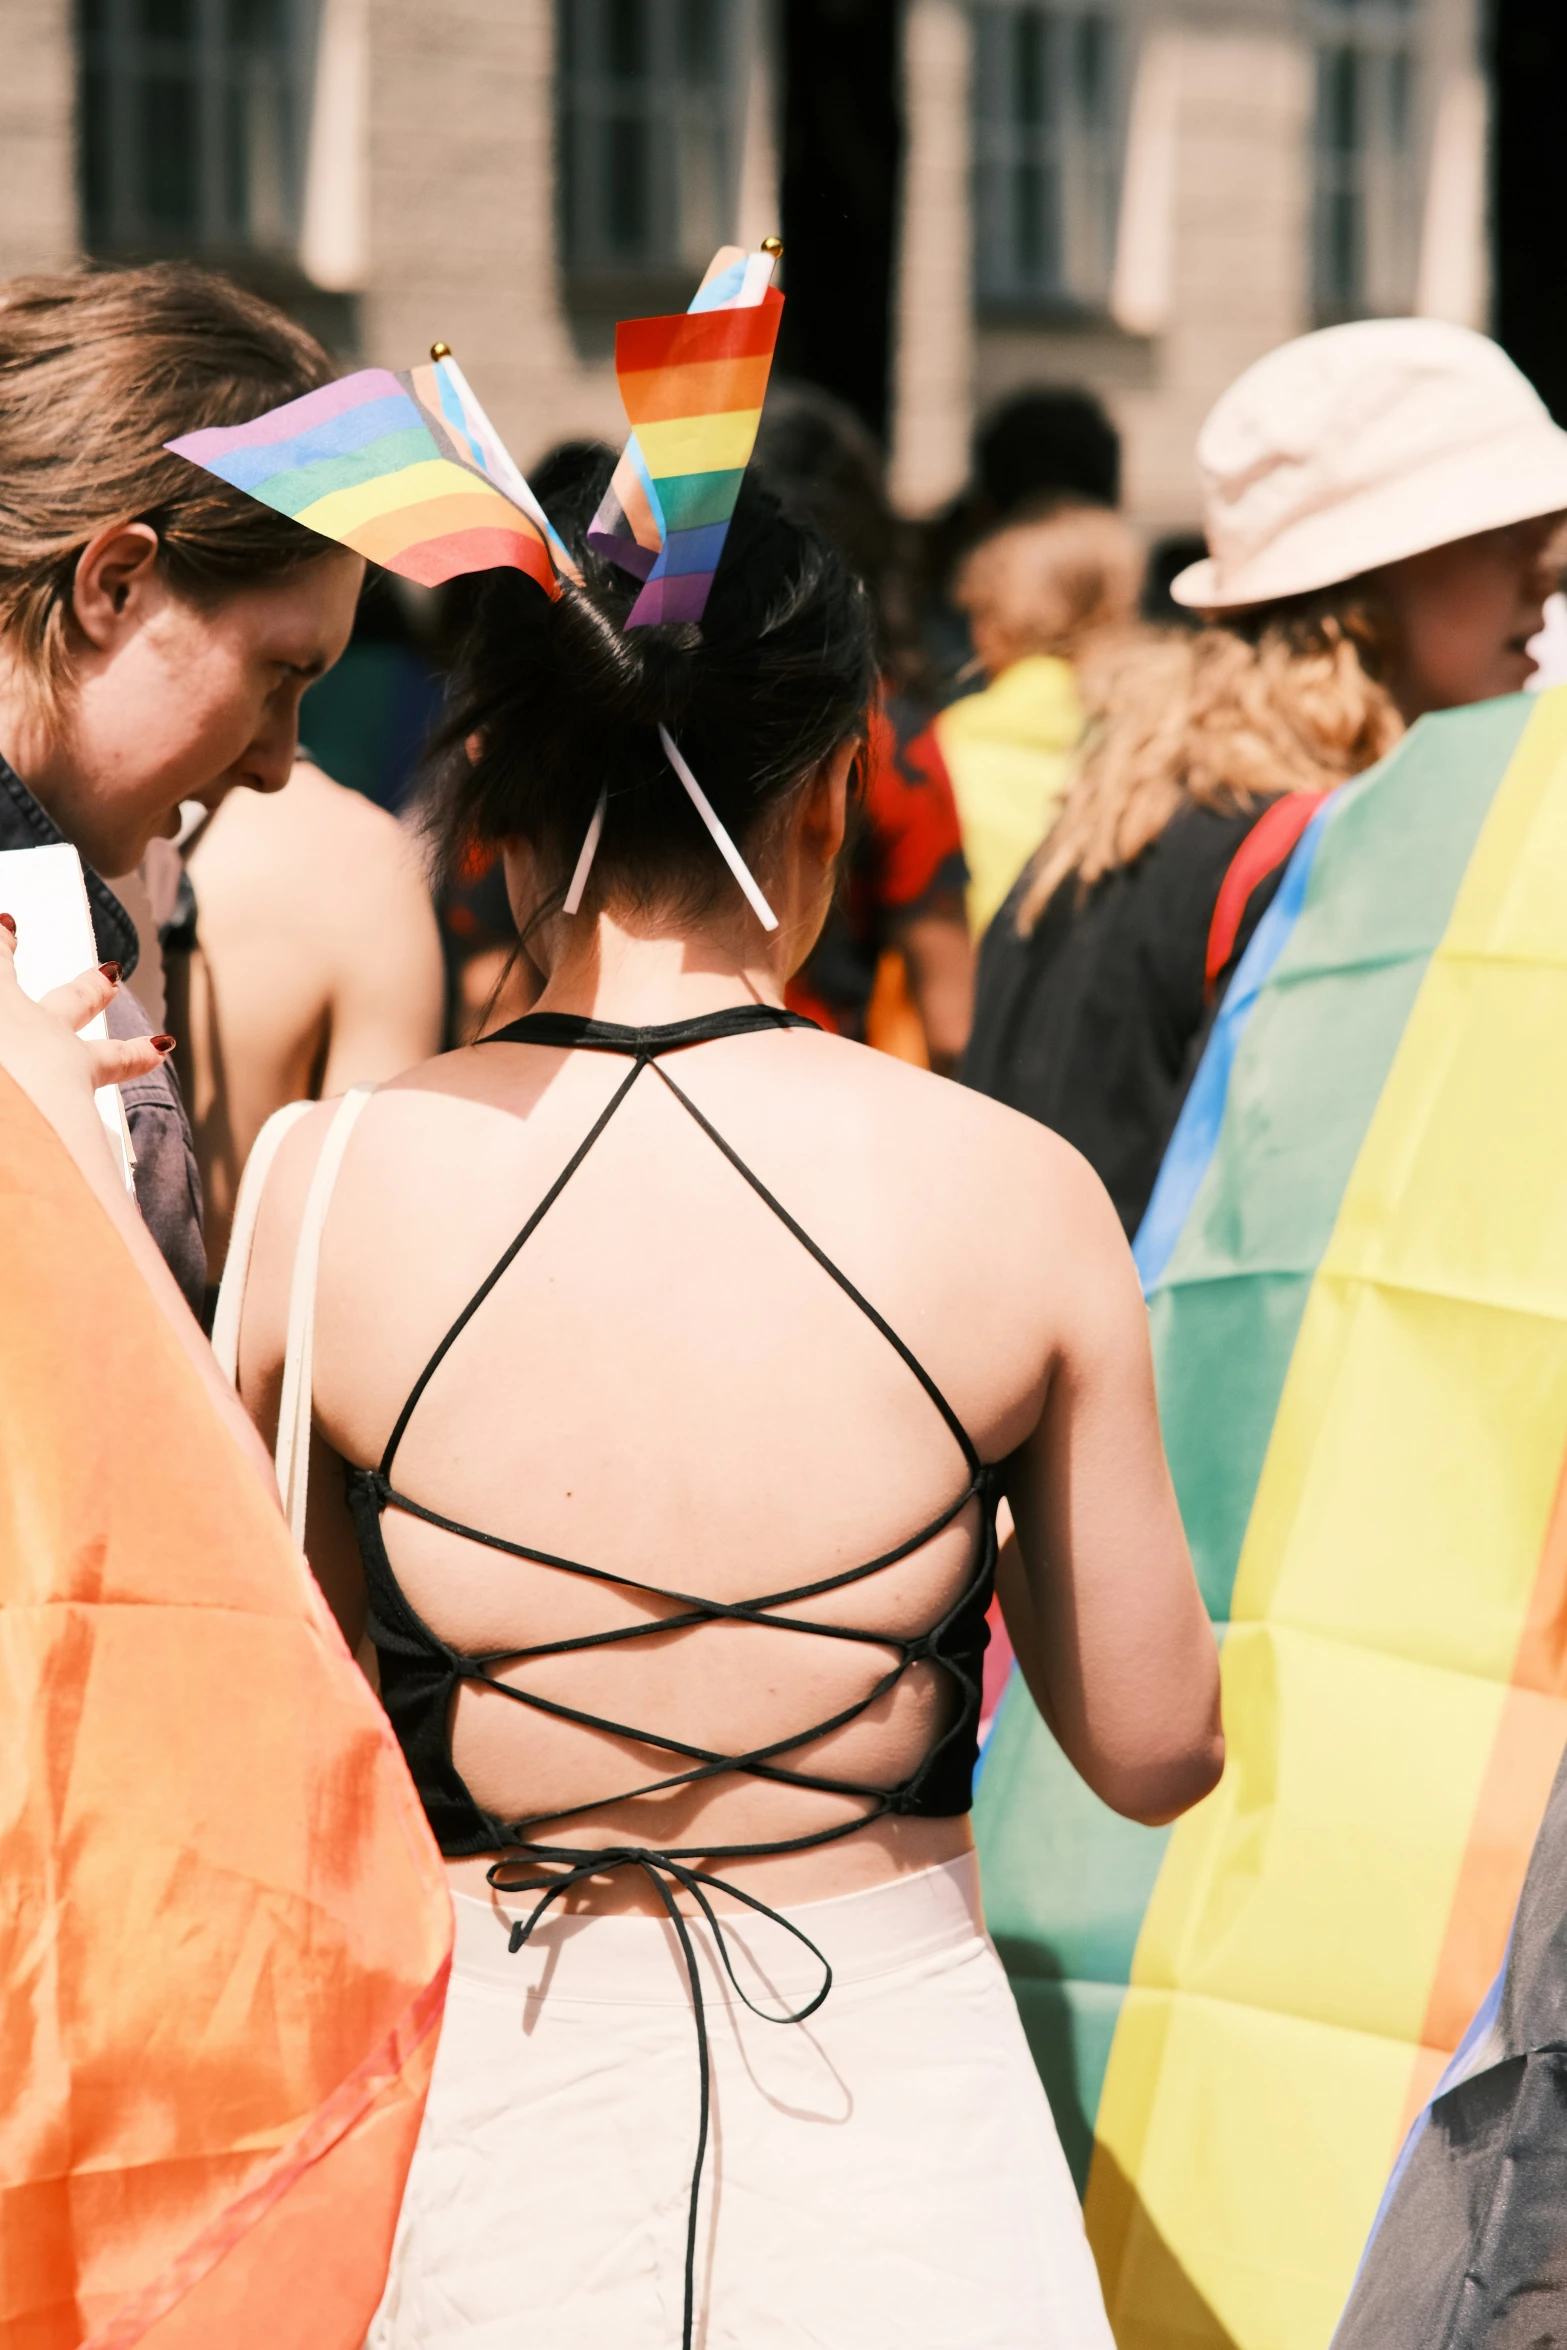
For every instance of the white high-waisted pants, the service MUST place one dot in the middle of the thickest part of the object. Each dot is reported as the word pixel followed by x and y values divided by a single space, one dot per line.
pixel 885 2176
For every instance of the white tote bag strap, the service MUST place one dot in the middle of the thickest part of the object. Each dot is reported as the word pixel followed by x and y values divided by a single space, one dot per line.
pixel 294 1410
pixel 242 1237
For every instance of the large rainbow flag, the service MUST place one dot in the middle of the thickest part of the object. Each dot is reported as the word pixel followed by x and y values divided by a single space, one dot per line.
pixel 224 1926
pixel 403 468
pixel 692 386
pixel 1356 1262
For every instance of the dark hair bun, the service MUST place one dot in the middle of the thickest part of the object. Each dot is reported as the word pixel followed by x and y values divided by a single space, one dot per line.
pixel 566 701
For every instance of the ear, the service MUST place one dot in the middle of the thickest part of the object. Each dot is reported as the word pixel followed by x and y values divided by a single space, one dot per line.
pixel 114 571
pixel 824 811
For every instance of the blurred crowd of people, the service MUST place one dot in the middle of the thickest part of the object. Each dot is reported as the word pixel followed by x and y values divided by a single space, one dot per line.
pixel 1048 882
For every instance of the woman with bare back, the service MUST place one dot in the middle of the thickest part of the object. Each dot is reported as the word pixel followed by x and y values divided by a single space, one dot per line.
pixel 670 1360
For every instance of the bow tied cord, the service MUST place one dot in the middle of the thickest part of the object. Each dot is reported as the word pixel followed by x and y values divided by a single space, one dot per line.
pixel 658 1867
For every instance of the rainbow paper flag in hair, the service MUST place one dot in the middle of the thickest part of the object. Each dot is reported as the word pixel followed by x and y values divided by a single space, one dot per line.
pixel 225 1930
pixel 1356 1265
pixel 693 386
pixel 404 468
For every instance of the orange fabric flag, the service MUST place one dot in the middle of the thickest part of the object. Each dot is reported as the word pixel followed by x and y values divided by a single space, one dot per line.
pixel 224 1929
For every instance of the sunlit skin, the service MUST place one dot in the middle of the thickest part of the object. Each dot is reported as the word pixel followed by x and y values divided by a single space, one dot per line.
pixel 1463 614
pixel 168 698
pixel 666 1382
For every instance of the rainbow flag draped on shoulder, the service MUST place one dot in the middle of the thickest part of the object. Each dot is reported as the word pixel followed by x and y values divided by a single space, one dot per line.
pixel 1356 1264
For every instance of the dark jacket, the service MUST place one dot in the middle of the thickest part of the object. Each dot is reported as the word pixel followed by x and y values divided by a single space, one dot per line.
pixel 1095 1023
pixel 168 1187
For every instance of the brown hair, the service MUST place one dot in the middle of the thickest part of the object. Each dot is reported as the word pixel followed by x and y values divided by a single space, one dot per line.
pixel 97 371
pixel 1286 698
pixel 1055 583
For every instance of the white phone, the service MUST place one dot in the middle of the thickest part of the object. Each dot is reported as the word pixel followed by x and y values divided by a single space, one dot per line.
pixel 46 894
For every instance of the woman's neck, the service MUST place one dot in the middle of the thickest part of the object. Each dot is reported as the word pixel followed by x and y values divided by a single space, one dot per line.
pixel 644 981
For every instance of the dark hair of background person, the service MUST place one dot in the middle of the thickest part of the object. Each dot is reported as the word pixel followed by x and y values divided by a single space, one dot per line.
pixel 561 700
pixel 97 370
pixel 1044 447
pixel 827 473
pixel 1052 442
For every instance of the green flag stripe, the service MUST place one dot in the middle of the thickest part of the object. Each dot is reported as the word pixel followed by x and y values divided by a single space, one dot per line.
pixel 302 485
pixel 1307 1076
pixel 1066 1880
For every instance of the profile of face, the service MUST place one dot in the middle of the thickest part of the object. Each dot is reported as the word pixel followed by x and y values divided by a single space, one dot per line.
pixel 172 699
pixel 1463 614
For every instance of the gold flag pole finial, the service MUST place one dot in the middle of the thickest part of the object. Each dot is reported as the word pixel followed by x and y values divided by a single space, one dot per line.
pixel 440 350
pixel 773 245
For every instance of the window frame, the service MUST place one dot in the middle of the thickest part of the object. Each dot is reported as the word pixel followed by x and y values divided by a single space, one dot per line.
pixel 118 65
pixel 1080 152
pixel 1366 197
pixel 603 278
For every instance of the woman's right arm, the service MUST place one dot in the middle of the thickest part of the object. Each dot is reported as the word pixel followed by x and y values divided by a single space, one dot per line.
pixel 1097 1584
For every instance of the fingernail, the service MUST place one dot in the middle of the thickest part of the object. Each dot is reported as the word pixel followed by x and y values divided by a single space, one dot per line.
pixel 9 921
pixel 110 971
pixel 162 1044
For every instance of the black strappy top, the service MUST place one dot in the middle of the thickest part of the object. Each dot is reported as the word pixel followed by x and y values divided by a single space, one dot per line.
pixel 420 1672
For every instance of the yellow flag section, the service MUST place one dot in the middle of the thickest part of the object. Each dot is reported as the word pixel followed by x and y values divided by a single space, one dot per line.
pixel 1394 1684
pixel 225 1932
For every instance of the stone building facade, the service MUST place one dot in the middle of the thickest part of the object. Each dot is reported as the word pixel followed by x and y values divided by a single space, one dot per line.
pixel 1137 195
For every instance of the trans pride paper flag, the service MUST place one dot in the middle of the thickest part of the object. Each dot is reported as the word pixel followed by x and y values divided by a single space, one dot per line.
pixel 224 1926
pixel 692 385
pixel 404 468
pixel 1356 1263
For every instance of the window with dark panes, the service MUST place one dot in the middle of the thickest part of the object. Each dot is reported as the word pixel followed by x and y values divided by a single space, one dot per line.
pixel 648 109
pixel 191 131
pixel 1047 140
pixel 1366 209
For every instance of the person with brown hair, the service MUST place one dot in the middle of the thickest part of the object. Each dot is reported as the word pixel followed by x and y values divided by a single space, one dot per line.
pixel 157 628
pixel 1043 596
pixel 1381 501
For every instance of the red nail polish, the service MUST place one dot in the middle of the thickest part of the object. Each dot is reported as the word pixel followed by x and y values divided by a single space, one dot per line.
pixel 9 921
pixel 162 1044
pixel 110 970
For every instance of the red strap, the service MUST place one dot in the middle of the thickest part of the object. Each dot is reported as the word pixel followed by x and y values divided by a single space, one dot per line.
pixel 1266 847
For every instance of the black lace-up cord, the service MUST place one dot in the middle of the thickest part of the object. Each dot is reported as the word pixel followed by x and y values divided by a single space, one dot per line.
pixel 484 1288
pixel 960 1434
pixel 669 1868
pixel 657 1867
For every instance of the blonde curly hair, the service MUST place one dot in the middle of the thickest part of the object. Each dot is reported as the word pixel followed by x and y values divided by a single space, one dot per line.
pixel 1286 698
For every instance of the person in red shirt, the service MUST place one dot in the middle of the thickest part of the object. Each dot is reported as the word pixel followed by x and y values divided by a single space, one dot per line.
pixel 903 896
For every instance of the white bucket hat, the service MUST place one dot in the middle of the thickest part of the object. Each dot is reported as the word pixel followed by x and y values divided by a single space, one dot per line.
pixel 1352 447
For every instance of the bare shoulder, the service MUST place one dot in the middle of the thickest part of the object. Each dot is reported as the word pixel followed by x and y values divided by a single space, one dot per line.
pixel 348 822
pixel 310 823
pixel 1011 1205
pixel 980 1140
